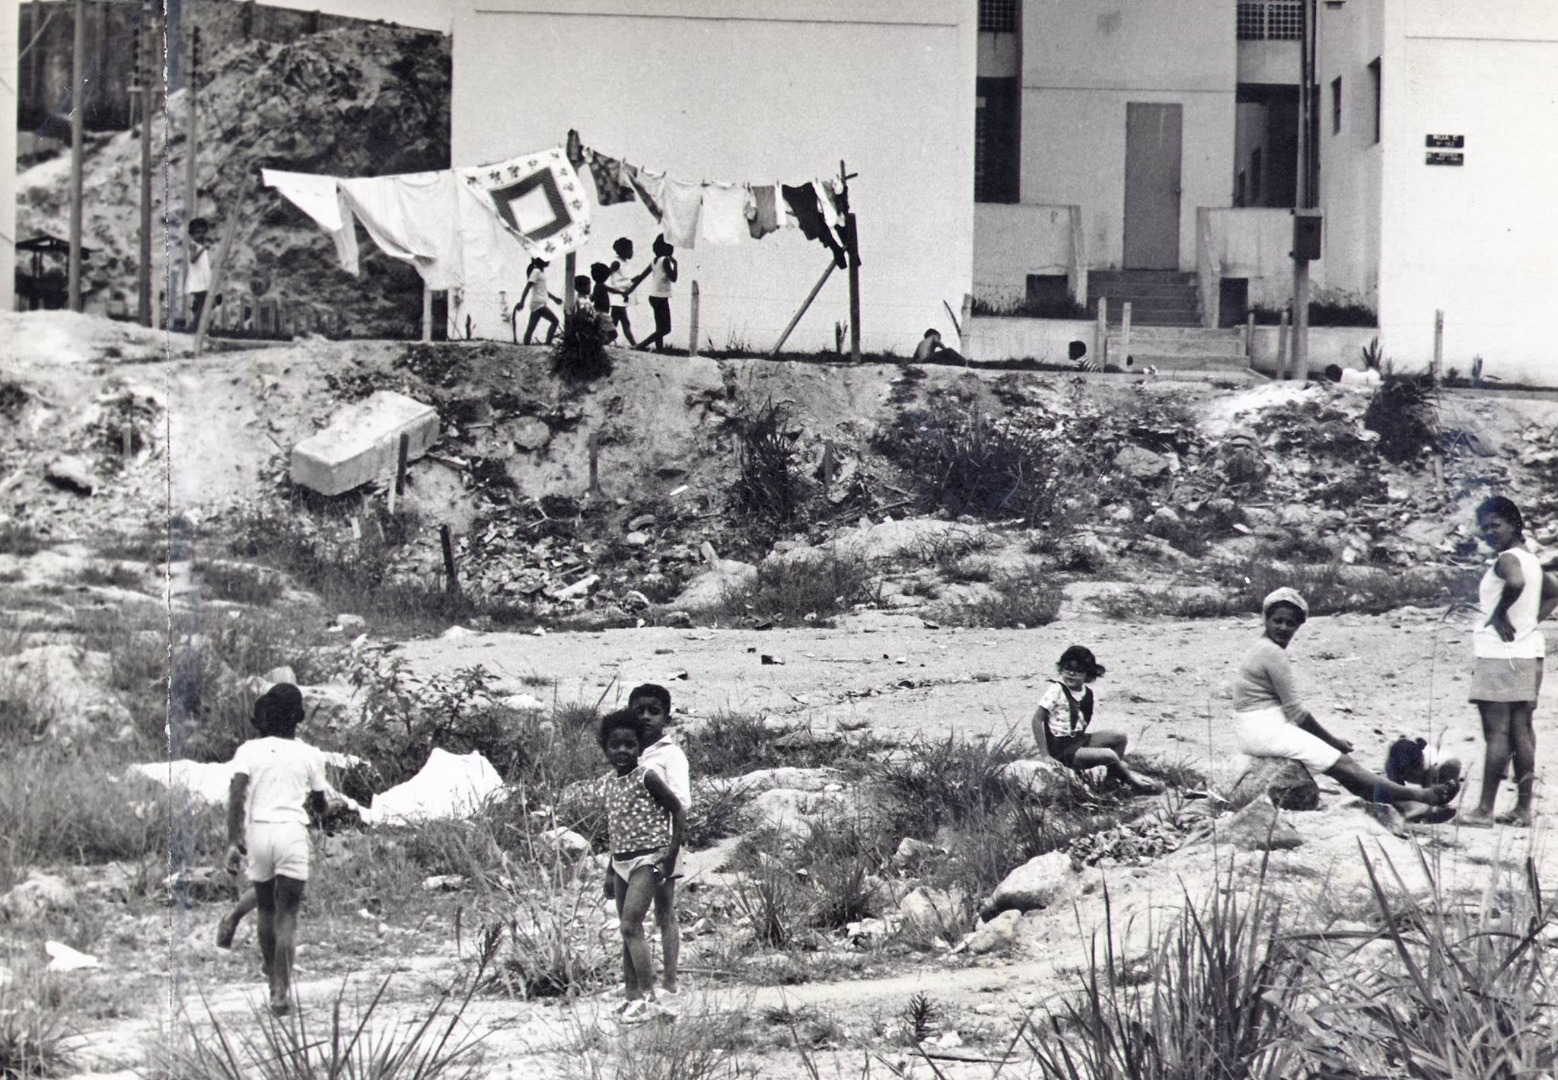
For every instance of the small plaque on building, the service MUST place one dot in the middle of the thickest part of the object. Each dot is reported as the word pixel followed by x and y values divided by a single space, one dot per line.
pixel 1441 157
pixel 1452 142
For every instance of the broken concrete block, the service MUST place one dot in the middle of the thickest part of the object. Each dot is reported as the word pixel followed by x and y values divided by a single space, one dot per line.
pixel 71 474
pixel 362 443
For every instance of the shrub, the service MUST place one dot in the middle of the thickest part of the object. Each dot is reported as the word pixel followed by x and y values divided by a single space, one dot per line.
pixel 804 589
pixel 1016 603
pixel 554 944
pixel 769 489
pixel 1405 412
pixel 733 744
pixel 240 584
pixel 935 783
pixel 580 352
pixel 19 539
pixel 34 1037
pixel 769 896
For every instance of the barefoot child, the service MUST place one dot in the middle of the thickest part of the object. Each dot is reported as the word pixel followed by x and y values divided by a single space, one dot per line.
pixel 645 822
pixel 662 274
pixel 1063 716
pixel 272 776
pixel 619 285
pixel 536 290
pixel 651 705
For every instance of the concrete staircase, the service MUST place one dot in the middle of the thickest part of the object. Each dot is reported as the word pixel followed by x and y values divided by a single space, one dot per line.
pixel 1178 349
pixel 1157 297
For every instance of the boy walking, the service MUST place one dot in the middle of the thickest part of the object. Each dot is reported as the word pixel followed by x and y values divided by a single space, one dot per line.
pixel 272 776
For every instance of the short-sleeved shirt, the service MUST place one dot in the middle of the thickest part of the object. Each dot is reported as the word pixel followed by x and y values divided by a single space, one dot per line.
pixel 199 277
pixel 669 760
pixel 660 277
pixel 281 774
pixel 538 290
pixel 620 281
pixel 1068 716
pixel 634 821
pixel 1265 680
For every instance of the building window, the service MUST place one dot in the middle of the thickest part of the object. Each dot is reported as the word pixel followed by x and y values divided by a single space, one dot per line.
pixel 998 16
pixel 1374 83
pixel 1336 105
pixel 997 141
pixel 1270 20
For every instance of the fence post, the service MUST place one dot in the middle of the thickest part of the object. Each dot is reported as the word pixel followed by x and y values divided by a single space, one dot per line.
pixel 1101 334
pixel 1438 369
pixel 692 344
pixel 1125 334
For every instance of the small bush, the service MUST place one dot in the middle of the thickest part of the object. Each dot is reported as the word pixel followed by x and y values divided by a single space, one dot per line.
pixel 554 944
pixel 769 896
pixel 580 352
pixel 770 489
pixel 19 539
pixel 841 858
pixel 33 1036
pixel 1405 413
pixel 716 814
pixel 1018 603
pixel 240 584
pixel 936 783
pixel 1330 589
pixel 799 590
pixel 733 744
pixel 114 576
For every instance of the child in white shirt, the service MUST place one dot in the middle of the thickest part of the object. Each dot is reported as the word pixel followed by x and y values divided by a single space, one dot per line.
pixel 272 777
pixel 651 705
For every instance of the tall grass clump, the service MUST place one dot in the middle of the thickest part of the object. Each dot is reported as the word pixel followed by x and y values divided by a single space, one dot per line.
pixel 1405 413
pixel 1213 1003
pixel 732 744
pixel 1013 603
pixel 554 943
pixel 580 352
pixel 770 489
pixel 804 589
pixel 352 1041
pixel 34 1038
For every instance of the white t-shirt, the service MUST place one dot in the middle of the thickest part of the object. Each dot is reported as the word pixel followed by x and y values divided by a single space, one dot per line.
pixel 666 758
pixel 199 277
pixel 281 774
pixel 619 280
pixel 1529 642
pixel 660 277
pixel 538 289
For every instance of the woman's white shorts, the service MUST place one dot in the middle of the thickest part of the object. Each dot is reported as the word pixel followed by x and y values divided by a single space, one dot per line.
pixel 1267 733
pixel 277 848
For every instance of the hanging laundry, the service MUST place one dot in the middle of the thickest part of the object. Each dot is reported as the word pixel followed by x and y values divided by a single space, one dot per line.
pixel 496 262
pixel 649 185
pixel 802 202
pixel 610 187
pixel 575 149
pixel 763 211
pixel 682 207
pixel 830 199
pixel 411 217
pixel 320 198
pixel 538 197
pixel 724 215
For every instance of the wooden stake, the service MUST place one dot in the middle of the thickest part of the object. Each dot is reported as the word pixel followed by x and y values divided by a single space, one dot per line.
pixel 594 445
pixel 427 313
pixel 852 251
pixel 128 441
pixel 1125 334
pixel 692 344
pixel 78 89
pixel 1282 345
pixel 827 465
pixel 451 582
pixel 1101 335
pixel 1249 335
pixel 400 463
pixel 570 268
pixel 1438 369
pixel 218 272
pixel 815 289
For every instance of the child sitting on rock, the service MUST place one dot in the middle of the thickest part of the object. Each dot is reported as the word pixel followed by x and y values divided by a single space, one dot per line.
pixel 645 822
pixel 651 705
pixel 1064 714
pixel 266 820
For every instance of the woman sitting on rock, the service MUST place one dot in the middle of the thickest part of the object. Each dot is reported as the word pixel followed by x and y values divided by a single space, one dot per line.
pixel 1273 723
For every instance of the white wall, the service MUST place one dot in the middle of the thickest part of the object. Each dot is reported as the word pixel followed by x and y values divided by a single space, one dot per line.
pixel 1350 38
pixel 1269 62
pixel 742 90
pixel 1478 241
pixel 1083 61
pixel 1013 240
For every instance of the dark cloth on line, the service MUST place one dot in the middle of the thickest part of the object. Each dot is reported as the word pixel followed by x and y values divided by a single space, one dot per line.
pixel 803 204
pixel 609 185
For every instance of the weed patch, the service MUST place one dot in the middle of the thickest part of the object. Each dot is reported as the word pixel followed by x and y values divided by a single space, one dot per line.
pixel 580 352
pixel 1014 603
pixel 791 591
pixel 34 1037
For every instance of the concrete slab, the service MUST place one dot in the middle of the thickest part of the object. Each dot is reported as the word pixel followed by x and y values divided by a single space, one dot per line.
pixel 362 441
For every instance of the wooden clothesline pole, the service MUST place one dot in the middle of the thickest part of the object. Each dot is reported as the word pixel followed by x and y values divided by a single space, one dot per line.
pixel 852 249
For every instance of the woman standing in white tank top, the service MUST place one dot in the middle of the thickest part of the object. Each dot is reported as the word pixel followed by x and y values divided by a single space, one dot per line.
pixel 1509 652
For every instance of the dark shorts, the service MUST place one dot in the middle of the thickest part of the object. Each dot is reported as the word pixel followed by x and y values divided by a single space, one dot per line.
pixel 661 306
pixel 1064 750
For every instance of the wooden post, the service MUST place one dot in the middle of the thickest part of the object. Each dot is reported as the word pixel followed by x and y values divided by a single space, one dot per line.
pixel 570 268
pixel 1282 345
pixel 218 272
pixel 828 463
pixel 854 289
pixel 1101 334
pixel 692 344
pixel 398 488
pixel 427 312
pixel 1125 334
pixel 594 445
pixel 78 88
pixel 451 582
pixel 147 41
pixel 1438 368
pixel 1300 318
pixel 1249 335
pixel 815 289
pixel 191 161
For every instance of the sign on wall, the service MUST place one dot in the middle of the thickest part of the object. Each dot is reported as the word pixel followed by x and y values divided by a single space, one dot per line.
pixel 1441 149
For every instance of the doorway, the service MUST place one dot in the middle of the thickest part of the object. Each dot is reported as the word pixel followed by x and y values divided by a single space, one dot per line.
pixel 1152 159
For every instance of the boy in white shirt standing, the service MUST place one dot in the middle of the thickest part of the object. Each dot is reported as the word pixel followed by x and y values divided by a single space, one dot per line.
pixel 651 705
pixel 272 776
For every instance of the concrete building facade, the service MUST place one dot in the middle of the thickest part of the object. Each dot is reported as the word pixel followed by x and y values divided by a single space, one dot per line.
pixel 748 91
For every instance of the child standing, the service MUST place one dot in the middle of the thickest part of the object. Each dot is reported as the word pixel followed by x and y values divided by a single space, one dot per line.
pixel 620 285
pixel 198 282
pixel 651 705
pixel 1063 716
pixel 272 775
pixel 645 822
pixel 662 274
pixel 536 290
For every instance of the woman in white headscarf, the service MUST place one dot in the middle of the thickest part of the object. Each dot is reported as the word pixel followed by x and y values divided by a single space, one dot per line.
pixel 1273 723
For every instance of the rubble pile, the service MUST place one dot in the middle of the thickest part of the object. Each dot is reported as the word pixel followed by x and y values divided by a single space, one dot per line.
pixel 365 101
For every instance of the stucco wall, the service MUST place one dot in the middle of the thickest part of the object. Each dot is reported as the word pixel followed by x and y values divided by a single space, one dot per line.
pixel 1083 61
pixel 1013 240
pixel 1350 161
pixel 1477 241
pixel 739 90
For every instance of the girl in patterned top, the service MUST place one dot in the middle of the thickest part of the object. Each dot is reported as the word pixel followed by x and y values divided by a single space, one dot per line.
pixel 1064 713
pixel 645 821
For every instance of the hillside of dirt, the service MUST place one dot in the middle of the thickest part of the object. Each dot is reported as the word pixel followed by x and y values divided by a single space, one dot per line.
pixel 853 579
pixel 367 100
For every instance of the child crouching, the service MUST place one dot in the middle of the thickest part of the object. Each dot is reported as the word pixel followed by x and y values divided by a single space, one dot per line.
pixel 645 822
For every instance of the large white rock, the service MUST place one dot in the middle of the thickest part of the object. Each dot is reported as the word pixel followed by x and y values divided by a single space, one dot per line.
pixel 1038 883
pixel 38 895
pixel 68 687
pixel 997 935
pixel 363 441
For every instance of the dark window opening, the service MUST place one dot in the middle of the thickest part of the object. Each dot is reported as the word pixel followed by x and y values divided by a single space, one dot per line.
pixel 1233 301
pixel 997 141
pixel 998 16
pixel 1336 105
pixel 1374 80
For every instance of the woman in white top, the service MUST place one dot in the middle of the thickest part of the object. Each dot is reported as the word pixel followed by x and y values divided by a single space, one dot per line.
pixel 1273 723
pixel 1509 652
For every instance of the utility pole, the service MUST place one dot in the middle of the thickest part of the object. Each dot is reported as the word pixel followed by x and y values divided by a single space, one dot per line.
pixel 1305 200
pixel 852 249
pixel 78 86
pixel 145 49
pixel 191 192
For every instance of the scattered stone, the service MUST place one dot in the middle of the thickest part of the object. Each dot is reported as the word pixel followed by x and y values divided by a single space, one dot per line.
pixel 67 689
pixel 565 843
pixel 770 661
pixel 643 521
pixel 1032 772
pixel 1139 463
pixel 709 589
pixel 443 883
pixel 931 907
pixel 1037 883
pixel 911 850
pixel 71 474
pixel 283 674
pixel 636 539
pixel 792 811
pixel 351 622
pixel 1258 827
pixel 999 934
pixel 795 777
pixel 1287 784
pixel 530 433
pixel 678 620
pixel 577 589
pixel 38 895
